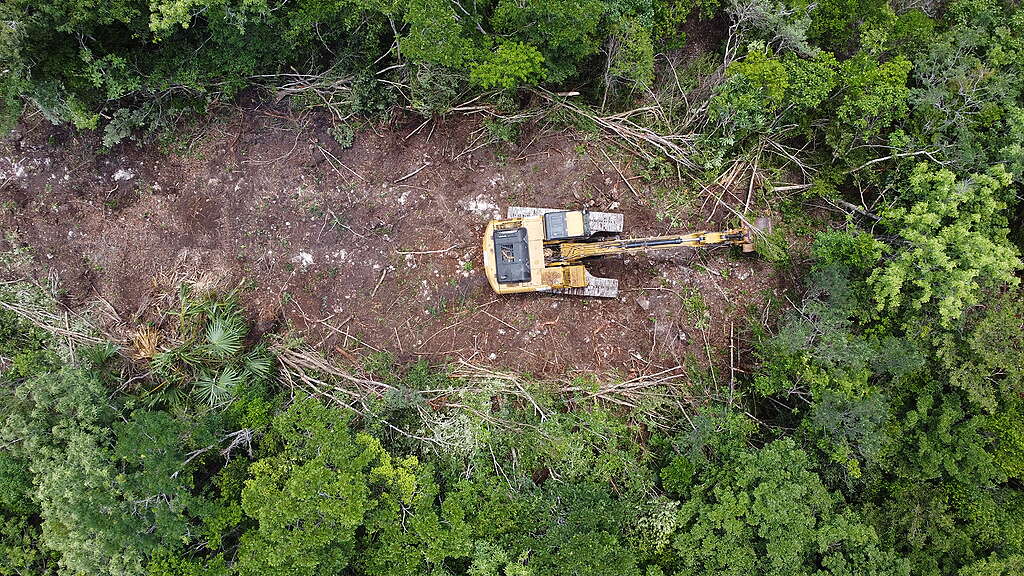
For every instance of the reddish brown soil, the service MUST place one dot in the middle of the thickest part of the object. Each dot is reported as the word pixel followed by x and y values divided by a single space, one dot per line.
pixel 319 244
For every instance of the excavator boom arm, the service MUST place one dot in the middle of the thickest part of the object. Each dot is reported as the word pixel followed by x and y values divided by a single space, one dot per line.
pixel 576 251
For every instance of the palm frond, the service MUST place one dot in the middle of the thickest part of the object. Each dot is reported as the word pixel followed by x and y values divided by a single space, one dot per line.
pixel 190 308
pixel 224 337
pixel 164 362
pixel 184 358
pixel 215 388
pixel 163 397
pixel 259 364
pixel 99 354
pixel 222 306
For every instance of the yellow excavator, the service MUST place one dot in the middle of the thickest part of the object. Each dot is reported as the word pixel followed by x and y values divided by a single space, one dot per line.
pixel 543 250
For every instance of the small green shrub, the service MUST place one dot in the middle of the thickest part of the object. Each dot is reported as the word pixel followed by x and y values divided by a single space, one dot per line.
pixel 773 246
pixel 512 64
pixel 343 133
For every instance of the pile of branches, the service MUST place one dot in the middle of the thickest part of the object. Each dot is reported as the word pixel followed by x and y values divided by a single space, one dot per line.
pixel 659 398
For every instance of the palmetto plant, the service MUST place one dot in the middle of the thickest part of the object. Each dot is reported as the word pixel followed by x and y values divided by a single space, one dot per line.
pixel 205 356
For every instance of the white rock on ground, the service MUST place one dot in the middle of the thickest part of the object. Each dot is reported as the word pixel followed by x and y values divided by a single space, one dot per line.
pixel 303 259
pixel 123 174
pixel 483 206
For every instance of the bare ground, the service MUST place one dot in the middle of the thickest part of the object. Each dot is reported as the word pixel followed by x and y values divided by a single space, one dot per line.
pixel 375 247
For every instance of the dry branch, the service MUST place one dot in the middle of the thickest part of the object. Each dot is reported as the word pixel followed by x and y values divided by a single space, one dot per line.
pixel 49 314
pixel 637 137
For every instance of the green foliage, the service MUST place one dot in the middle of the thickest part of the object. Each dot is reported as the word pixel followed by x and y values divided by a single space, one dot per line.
pixel 435 89
pixel 502 131
pixel 311 496
pixel 669 17
pixel 873 97
pixel 209 360
pixel 584 537
pixel 156 476
pixel 344 134
pixel 944 529
pixel 966 101
pixel 754 92
pixel 14 81
pixel 983 359
pixel 632 58
pixel 836 24
pixel 763 90
pixel 766 511
pixel 773 246
pixel 96 488
pixel 512 64
pixel 810 82
pixel 166 15
pixel 166 563
pixel 61 429
pixel 858 250
pixel 818 353
pixel 109 493
pixel 776 24
pixel 849 427
pixel 565 32
pixel 876 427
pixel 940 436
pixel 521 488
pixel 20 549
pixel 76 60
pixel 766 75
pixel 436 35
pixel 955 233
pixel 24 348
pixel 919 437
pixel 995 566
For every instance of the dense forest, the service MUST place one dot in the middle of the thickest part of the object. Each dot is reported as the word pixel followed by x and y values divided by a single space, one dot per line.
pixel 879 432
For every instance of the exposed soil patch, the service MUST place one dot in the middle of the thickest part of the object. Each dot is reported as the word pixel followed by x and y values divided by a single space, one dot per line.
pixel 376 247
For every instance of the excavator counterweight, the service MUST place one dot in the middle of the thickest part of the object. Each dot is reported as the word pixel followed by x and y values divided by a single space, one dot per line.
pixel 543 250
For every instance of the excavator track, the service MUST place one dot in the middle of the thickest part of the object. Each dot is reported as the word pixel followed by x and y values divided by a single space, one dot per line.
pixel 604 222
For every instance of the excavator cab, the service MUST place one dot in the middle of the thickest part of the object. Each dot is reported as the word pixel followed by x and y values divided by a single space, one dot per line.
pixel 542 250
pixel 512 256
